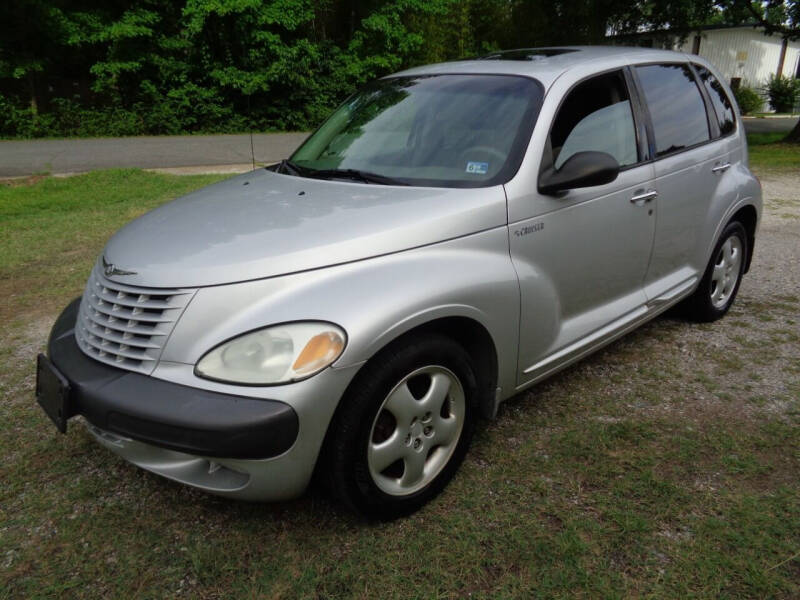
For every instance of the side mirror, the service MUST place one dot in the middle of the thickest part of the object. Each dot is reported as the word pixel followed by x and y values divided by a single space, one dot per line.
pixel 582 169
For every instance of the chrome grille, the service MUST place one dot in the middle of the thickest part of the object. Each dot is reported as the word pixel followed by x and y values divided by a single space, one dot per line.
pixel 127 326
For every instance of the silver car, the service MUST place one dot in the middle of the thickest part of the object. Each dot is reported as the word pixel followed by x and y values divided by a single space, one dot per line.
pixel 450 236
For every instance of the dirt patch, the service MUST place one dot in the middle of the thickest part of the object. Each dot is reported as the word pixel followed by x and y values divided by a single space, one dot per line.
pixel 19 360
pixel 780 184
pixel 21 181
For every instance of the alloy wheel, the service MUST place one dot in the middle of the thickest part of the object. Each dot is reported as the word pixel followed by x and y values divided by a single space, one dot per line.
pixel 416 430
pixel 726 271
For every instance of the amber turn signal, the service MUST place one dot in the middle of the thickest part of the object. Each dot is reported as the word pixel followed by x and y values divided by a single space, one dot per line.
pixel 321 350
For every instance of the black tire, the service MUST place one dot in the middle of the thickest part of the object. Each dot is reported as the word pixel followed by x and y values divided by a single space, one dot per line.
pixel 345 456
pixel 700 306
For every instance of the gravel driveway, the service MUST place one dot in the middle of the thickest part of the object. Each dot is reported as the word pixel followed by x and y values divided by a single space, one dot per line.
pixel 754 352
pixel 776 263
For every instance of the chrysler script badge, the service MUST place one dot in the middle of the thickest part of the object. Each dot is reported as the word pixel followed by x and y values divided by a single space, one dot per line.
pixel 110 269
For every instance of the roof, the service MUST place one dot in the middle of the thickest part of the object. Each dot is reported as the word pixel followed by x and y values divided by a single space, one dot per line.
pixel 545 64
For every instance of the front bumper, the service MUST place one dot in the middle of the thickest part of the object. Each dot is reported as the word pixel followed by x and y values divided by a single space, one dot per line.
pixel 226 444
pixel 164 414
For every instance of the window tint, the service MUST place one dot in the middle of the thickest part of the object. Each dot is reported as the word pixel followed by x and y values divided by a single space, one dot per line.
pixel 722 104
pixel 676 107
pixel 596 115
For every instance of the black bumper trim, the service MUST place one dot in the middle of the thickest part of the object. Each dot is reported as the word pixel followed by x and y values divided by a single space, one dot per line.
pixel 167 414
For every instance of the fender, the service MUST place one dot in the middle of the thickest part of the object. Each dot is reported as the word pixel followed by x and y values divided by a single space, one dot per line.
pixel 749 194
pixel 374 301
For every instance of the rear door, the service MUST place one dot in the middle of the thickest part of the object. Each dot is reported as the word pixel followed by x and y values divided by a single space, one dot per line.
pixel 692 152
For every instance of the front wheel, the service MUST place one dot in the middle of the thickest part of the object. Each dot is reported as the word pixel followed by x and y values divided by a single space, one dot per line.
pixel 717 290
pixel 403 427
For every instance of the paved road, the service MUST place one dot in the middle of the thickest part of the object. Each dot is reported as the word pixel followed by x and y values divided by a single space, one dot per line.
pixel 777 124
pixel 68 156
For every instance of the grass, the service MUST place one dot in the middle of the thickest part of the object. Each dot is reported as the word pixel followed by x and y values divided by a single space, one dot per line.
pixel 768 153
pixel 53 230
pixel 659 467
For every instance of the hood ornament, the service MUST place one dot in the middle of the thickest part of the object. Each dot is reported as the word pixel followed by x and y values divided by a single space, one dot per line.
pixel 110 269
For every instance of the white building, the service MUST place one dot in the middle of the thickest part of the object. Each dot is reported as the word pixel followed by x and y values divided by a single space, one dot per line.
pixel 745 55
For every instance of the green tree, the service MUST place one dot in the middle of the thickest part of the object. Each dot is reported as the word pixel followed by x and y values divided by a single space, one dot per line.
pixel 33 34
pixel 161 66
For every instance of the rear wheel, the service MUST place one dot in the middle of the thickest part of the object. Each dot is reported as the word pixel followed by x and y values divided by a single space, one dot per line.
pixel 403 428
pixel 717 290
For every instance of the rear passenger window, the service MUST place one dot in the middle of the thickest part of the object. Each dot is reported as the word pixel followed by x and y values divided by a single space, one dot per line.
pixel 676 107
pixel 722 104
pixel 596 115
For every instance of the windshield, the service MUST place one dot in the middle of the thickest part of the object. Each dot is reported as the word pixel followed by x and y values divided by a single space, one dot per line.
pixel 443 130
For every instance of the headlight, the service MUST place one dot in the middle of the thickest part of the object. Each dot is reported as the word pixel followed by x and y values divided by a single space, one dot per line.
pixel 277 354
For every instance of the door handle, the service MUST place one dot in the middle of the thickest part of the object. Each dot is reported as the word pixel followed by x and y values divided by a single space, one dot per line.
pixel 721 168
pixel 644 198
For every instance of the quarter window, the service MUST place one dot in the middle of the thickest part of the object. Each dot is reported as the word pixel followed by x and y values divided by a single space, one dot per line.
pixel 722 104
pixel 676 107
pixel 597 116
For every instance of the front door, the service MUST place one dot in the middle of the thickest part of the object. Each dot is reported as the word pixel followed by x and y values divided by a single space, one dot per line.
pixel 582 260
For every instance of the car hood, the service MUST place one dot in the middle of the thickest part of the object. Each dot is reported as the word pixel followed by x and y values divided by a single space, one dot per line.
pixel 262 224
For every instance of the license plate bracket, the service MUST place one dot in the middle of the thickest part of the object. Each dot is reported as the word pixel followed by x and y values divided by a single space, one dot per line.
pixel 52 392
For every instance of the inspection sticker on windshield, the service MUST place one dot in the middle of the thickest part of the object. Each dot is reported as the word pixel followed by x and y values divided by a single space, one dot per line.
pixel 477 168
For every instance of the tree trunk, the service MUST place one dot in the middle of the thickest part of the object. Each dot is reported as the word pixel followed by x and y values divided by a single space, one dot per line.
pixel 794 135
pixel 34 101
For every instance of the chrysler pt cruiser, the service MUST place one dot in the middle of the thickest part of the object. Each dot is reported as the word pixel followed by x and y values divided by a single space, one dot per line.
pixel 449 236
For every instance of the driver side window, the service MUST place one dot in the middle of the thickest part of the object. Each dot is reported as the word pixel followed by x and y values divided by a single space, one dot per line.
pixel 596 116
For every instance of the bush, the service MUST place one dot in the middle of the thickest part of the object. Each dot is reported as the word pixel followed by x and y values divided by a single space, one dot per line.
pixel 15 121
pixel 71 120
pixel 782 92
pixel 185 110
pixel 748 99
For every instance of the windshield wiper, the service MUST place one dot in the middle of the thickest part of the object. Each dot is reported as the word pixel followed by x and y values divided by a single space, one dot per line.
pixel 290 168
pixel 354 174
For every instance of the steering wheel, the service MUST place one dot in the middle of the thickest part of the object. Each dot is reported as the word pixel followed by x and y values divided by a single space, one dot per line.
pixel 470 153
